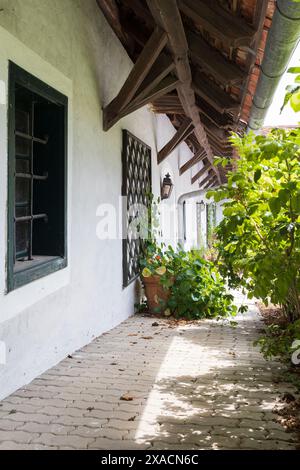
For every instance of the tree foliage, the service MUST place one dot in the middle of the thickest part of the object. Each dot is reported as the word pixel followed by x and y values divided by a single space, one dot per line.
pixel 259 237
pixel 292 95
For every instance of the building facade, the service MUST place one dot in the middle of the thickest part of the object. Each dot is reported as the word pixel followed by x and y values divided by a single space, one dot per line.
pixel 67 46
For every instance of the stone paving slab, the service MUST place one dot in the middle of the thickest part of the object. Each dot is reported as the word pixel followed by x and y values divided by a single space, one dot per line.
pixel 191 386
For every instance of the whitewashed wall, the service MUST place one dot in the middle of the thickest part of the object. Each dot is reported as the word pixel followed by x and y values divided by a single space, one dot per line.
pixel 69 45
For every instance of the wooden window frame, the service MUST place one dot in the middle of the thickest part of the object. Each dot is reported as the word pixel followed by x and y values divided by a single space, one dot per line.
pixel 20 278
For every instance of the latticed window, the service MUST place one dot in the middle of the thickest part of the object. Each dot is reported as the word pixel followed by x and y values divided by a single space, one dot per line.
pixel 136 187
pixel 37 179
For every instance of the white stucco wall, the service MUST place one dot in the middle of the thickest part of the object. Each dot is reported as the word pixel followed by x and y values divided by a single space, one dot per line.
pixel 69 45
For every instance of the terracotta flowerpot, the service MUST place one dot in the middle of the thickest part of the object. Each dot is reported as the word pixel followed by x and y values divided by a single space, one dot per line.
pixel 155 294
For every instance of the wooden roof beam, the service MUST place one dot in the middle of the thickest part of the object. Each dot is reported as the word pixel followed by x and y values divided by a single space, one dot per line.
pixel 198 157
pixel 221 24
pixel 213 62
pixel 200 172
pixel 186 128
pixel 167 16
pixel 140 70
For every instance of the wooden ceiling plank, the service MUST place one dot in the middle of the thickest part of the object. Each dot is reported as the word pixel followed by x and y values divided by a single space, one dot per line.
pixel 137 75
pixel 167 15
pixel 198 157
pixel 231 30
pixel 213 62
pixel 186 128
pixel 200 172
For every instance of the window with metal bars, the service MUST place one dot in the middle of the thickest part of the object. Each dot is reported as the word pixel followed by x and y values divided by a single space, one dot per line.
pixel 37 148
pixel 136 188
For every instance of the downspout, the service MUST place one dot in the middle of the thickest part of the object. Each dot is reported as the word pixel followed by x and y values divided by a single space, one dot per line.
pixel 282 40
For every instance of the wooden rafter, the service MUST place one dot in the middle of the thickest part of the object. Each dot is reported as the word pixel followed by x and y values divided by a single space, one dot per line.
pixel 213 94
pixel 136 77
pixel 196 158
pixel 205 41
pixel 229 29
pixel 200 173
pixel 167 85
pixel 168 104
pixel 211 183
pixel 206 179
pixel 167 16
pixel 162 67
pixel 111 13
pixel 214 63
pixel 186 128
pixel 221 120
pixel 140 10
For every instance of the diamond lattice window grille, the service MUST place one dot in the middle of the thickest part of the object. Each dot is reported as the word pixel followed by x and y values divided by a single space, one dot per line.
pixel 136 188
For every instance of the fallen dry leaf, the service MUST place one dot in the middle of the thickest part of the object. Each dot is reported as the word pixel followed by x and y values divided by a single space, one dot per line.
pixel 132 418
pixel 126 397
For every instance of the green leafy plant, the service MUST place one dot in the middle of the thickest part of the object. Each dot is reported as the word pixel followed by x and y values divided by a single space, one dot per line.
pixel 292 95
pixel 198 290
pixel 277 340
pixel 259 237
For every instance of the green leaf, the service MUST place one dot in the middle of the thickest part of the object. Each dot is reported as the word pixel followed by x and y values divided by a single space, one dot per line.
pixel 294 70
pixel 257 175
pixel 295 101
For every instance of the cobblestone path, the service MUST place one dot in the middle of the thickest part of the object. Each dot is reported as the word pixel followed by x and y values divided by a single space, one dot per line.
pixel 189 386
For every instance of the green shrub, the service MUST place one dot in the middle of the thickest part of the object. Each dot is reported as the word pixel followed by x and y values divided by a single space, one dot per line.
pixel 278 340
pixel 198 290
pixel 259 237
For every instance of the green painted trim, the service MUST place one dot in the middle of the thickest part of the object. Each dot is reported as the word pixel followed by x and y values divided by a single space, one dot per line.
pixel 20 278
pixel 11 179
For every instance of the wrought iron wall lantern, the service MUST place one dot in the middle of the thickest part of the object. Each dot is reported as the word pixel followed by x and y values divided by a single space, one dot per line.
pixel 167 186
pixel 202 205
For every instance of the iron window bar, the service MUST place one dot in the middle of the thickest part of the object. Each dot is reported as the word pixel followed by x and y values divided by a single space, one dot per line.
pixel 30 176
pixel 28 218
pixel 23 135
